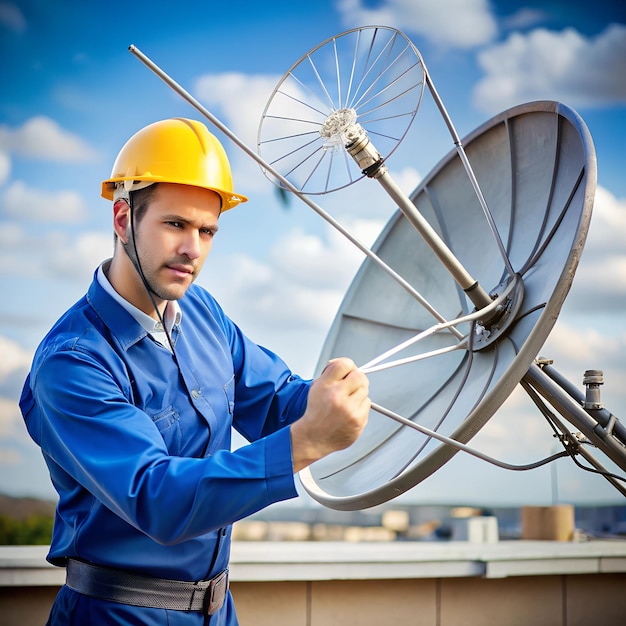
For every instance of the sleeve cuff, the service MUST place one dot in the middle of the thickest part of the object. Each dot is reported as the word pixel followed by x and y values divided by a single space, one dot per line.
pixel 281 484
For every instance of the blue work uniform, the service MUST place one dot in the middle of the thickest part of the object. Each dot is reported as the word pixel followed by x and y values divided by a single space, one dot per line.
pixel 138 444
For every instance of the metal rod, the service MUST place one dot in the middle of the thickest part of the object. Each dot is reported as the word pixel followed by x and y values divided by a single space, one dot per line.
pixel 362 150
pixel 370 366
pixel 469 170
pixel 413 359
pixel 321 212
pixel 461 446
pixel 470 286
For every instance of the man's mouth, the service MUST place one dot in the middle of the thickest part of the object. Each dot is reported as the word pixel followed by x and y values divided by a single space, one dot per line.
pixel 182 270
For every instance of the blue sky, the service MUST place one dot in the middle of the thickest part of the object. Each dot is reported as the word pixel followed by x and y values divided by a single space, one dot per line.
pixel 73 94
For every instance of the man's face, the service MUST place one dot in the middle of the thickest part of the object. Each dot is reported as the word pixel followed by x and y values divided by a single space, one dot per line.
pixel 175 236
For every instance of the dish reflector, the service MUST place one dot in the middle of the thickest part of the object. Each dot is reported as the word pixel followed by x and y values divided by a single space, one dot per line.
pixel 535 164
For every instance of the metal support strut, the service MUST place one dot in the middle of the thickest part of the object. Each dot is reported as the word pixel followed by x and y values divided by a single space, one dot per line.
pixel 361 149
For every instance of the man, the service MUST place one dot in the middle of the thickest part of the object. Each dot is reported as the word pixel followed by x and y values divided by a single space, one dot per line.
pixel 133 393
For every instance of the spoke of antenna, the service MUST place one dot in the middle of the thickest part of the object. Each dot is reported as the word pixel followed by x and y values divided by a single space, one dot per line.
pixel 374 364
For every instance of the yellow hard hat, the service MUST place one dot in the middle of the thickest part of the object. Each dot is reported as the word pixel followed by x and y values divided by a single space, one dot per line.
pixel 179 151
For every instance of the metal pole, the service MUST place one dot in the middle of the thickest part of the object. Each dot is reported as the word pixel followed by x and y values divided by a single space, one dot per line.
pixel 470 286
pixel 362 150
pixel 576 415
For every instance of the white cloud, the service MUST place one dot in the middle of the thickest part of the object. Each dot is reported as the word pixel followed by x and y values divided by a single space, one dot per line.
pixel 407 179
pixel 14 357
pixel 608 223
pixel 564 66
pixel 14 239
pixel 302 280
pixel 600 281
pixel 532 438
pixel 56 254
pixel 451 23
pixel 242 97
pixel 581 349
pixel 12 17
pixel 310 260
pixel 238 101
pixel 272 299
pixel 5 167
pixel 25 204
pixel 76 258
pixel 524 18
pixel 15 361
pixel 42 138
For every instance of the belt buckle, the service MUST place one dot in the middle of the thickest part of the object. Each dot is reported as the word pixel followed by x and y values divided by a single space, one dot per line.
pixel 215 594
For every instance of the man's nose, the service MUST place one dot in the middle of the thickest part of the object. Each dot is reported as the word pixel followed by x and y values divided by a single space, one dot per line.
pixel 190 245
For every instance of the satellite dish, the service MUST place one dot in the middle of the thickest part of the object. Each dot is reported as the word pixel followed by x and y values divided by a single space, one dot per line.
pixel 536 166
pixel 486 248
pixel 482 254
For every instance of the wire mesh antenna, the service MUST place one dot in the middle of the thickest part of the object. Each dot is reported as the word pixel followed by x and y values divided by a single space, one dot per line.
pixel 373 76
pixel 341 110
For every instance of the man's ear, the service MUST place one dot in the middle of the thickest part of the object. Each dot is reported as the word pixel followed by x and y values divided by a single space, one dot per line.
pixel 121 219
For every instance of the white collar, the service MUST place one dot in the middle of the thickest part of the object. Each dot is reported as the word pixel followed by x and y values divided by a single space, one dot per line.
pixel 172 315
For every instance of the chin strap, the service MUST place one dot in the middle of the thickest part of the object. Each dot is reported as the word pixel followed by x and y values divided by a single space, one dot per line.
pixel 130 247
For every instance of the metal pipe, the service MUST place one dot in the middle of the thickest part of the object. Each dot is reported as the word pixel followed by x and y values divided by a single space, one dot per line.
pixel 576 415
pixel 470 286
pixel 369 160
pixel 603 416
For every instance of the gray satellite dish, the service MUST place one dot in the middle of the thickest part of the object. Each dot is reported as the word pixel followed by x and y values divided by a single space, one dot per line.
pixel 455 299
pixel 535 165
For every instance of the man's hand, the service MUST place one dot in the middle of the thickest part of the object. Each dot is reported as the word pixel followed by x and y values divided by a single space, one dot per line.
pixel 336 413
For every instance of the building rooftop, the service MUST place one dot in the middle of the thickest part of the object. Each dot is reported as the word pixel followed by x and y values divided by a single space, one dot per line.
pixel 296 561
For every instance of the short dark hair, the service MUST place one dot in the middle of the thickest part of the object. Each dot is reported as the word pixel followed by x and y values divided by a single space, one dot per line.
pixel 140 200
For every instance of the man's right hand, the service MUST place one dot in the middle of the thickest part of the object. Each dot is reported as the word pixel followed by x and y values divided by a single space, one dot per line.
pixel 336 413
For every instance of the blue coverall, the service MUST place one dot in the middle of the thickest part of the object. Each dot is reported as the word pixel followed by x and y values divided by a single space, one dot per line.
pixel 138 446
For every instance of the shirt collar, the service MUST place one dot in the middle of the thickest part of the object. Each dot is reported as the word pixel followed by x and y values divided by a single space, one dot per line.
pixel 172 316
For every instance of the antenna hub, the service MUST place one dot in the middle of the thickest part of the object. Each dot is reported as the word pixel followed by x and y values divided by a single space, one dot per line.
pixel 335 129
pixel 487 331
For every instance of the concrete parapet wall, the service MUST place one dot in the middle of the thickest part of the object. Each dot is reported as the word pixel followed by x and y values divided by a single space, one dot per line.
pixel 362 584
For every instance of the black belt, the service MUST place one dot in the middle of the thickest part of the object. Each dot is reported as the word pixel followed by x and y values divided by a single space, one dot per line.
pixel 127 588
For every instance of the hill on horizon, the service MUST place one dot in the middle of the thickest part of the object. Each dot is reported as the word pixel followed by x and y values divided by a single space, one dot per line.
pixel 25 507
